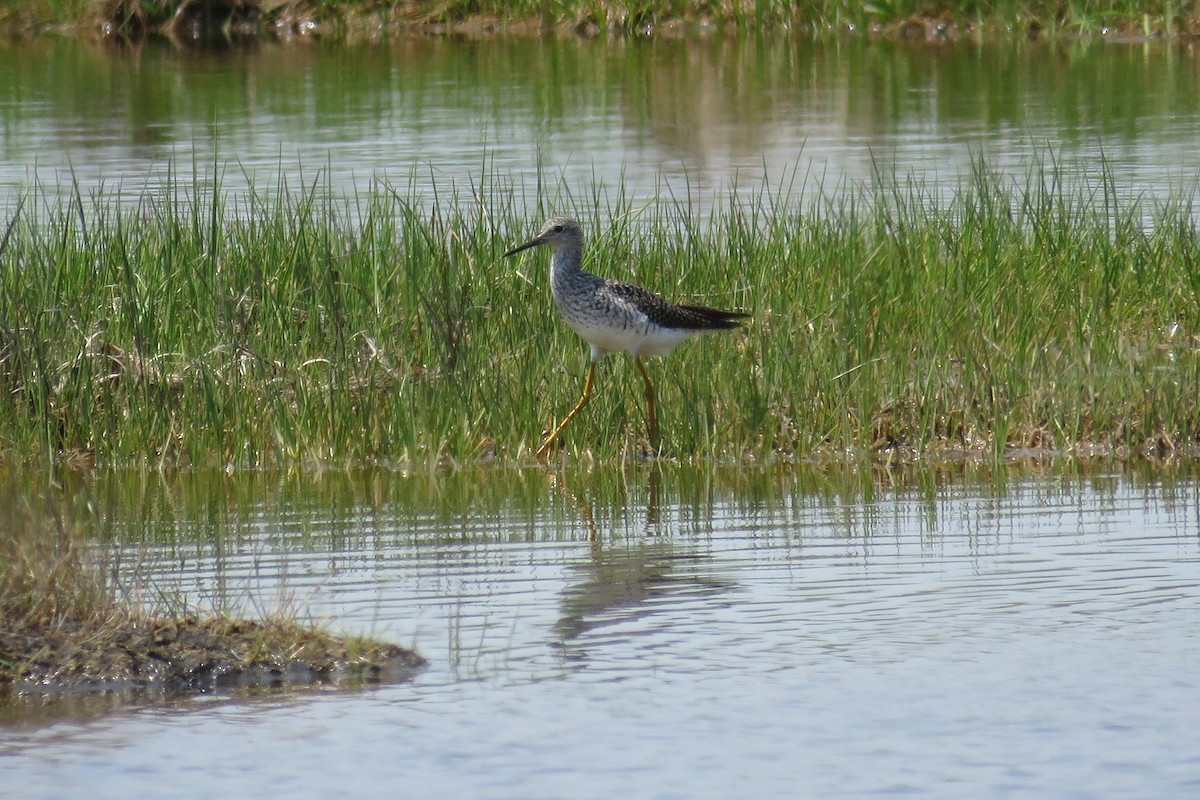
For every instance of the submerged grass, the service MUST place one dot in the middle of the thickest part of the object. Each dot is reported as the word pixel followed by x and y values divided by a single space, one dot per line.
pixel 284 327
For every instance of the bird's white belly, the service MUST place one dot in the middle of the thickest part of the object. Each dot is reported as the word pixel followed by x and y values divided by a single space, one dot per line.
pixel 637 340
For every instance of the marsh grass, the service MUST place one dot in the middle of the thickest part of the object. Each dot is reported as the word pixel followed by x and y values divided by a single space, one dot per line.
pixel 287 325
pixel 45 578
pixel 68 620
pixel 50 586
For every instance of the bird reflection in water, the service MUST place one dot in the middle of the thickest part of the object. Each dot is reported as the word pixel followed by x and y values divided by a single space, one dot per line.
pixel 627 580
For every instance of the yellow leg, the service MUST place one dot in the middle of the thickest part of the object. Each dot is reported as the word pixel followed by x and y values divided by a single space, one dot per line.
pixel 651 411
pixel 588 385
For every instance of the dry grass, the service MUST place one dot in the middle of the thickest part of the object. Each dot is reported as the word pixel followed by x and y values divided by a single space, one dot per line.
pixel 46 579
pixel 64 625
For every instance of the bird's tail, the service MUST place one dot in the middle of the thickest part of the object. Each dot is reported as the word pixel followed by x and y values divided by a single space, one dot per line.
pixel 715 318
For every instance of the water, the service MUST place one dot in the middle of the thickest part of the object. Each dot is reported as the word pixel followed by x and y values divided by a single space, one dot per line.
pixel 704 633
pixel 692 633
pixel 670 120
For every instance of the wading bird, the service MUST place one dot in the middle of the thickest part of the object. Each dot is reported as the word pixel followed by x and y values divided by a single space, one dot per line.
pixel 614 316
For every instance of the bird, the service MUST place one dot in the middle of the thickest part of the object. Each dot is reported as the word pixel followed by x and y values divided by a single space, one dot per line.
pixel 613 316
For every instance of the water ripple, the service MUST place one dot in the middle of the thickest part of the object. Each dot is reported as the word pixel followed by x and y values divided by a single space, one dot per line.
pixel 1030 640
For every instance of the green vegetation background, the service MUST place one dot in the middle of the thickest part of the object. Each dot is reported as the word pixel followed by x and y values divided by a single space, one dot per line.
pixel 920 18
pixel 291 327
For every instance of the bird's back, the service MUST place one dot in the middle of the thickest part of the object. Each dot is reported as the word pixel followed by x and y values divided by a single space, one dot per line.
pixel 615 316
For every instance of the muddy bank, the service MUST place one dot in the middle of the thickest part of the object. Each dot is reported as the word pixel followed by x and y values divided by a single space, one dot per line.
pixel 215 22
pixel 65 626
pixel 80 673
pixel 224 22
pixel 190 654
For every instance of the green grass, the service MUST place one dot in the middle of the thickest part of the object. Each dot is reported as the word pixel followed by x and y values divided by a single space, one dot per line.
pixel 907 18
pixel 291 327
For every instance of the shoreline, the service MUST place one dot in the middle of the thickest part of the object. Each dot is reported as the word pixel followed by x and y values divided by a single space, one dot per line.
pixel 200 22
pixel 67 627
pixel 189 655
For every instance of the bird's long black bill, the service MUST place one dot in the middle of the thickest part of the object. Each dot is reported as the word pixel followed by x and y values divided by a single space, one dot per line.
pixel 526 246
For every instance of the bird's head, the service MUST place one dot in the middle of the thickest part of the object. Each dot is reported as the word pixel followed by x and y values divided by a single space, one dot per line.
pixel 558 233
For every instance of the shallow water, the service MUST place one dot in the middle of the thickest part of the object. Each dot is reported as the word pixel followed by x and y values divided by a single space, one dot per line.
pixel 684 633
pixel 670 120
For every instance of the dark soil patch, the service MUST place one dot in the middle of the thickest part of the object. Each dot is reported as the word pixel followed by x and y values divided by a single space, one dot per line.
pixel 215 23
pixel 190 654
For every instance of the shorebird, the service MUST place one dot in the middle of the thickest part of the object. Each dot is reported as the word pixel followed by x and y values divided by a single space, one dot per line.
pixel 615 317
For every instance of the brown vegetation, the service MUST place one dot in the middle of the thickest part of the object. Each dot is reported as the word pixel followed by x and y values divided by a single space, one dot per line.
pixel 225 21
pixel 62 626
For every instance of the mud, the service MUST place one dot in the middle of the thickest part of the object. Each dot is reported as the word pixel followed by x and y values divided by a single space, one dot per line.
pixel 190 654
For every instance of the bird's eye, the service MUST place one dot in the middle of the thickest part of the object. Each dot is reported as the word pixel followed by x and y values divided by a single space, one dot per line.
pixel 558 228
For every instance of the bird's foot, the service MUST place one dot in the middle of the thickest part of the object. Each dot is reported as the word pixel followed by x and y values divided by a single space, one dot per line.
pixel 547 448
